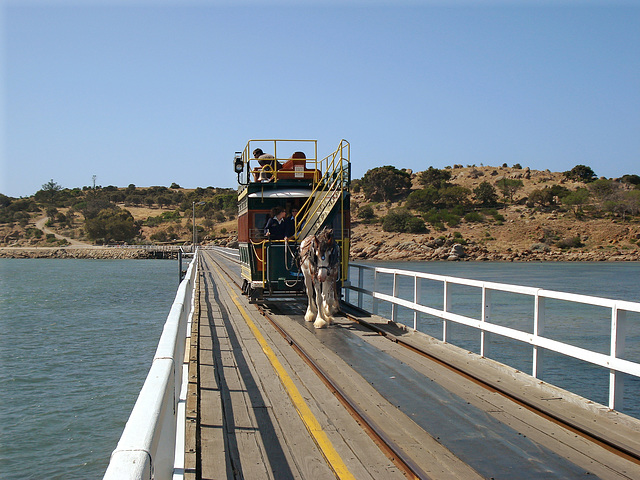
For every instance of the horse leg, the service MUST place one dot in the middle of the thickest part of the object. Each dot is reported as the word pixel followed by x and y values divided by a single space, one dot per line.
pixel 312 308
pixel 321 320
pixel 332 297
pixel 323 309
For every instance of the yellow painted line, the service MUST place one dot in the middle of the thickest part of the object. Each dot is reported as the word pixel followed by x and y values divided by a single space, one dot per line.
pixel 307 416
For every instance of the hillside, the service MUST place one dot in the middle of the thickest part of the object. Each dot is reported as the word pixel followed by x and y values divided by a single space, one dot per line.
pixel 56 217
pixel 524 233
pixel 513 230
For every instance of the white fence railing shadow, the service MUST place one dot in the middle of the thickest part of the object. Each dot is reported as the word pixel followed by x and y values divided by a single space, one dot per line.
pixel 619 326
pixel 148 443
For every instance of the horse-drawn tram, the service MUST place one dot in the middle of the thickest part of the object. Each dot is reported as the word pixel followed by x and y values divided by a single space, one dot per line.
pixel 286 194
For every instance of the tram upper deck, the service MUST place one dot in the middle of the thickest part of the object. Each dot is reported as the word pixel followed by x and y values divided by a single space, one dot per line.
pixel 294 181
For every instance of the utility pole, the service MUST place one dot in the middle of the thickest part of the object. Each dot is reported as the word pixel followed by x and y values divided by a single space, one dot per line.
pixel 195 233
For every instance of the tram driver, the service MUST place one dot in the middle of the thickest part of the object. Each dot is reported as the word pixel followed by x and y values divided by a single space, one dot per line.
pixel 265 160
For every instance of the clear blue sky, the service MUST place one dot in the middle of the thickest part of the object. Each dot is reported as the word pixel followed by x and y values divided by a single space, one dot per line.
pixel 152 93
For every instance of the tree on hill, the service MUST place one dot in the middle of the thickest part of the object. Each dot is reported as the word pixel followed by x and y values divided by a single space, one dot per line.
pixel 16 210
pixel 509 187
pixel 94 203
pixel 580 173
pixel 542 197
pixel 435 177
pixel 485 194
pixel 576 200
pixel 631 179
pixel 48 192
pixel 111 225
pixel 385 183
pixel 454 195
pixel 604 189
pixel 4 200
pixel 423 200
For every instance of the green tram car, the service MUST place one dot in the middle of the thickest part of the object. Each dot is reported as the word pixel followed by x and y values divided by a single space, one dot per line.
pixel 314 193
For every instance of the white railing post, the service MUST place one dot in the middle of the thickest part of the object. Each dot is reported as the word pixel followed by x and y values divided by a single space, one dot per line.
pixel 538 331
pixel 618 340
pixel 446 307
pixel 360 285
pixel 394 308
pixel 417 294
pixel 486 314
pixel 375 290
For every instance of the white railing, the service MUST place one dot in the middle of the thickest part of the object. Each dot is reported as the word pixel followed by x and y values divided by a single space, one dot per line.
pixel 153 432
pixel 619 327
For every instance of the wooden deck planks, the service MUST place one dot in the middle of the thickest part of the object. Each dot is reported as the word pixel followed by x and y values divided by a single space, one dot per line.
pixel 434 459
pixel 595 458
pixel 255 443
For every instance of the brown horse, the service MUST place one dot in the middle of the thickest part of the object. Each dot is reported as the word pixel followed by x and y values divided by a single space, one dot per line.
pixel 320 265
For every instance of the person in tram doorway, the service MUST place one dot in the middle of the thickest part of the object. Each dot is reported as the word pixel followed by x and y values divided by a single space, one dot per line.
pixel 268 165
pixel 275 227
pixel 290 223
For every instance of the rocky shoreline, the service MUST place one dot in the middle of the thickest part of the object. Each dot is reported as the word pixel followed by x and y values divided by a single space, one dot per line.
pixel 98 253
pixel 380 250
pixel 448 250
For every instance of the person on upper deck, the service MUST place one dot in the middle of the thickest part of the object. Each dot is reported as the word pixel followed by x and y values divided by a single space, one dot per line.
pixel 265 160
pixel 275 227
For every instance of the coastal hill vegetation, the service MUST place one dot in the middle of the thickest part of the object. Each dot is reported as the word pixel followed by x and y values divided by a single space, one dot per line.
pixel 56 216
pixel 502 211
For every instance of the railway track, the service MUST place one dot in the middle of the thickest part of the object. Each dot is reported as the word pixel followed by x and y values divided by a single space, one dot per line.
pixel 565 449
pixel 393 451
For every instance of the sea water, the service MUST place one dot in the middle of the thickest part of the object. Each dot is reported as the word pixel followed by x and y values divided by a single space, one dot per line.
pixel 77 338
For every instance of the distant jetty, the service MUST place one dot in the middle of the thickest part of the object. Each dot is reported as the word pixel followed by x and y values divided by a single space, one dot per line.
pixel 130 252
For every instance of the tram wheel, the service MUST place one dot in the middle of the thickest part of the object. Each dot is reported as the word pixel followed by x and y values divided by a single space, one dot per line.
pixel 255 294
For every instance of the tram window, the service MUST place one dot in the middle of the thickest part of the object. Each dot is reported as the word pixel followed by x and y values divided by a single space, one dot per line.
pixel 260 221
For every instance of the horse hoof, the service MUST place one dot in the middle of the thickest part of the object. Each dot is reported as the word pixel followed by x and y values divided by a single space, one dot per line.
pixel 320 323
pixel 309 317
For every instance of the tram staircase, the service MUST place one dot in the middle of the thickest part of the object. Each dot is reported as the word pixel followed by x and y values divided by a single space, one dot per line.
pixel 325 197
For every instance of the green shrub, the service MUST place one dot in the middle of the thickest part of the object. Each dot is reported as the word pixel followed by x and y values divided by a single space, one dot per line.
pixel 422 200
pixel 159 236
pixel 401 220
pixel 492 212
pixel 440 217
pixel 570 242
pixel 472 217
pixel 415 225
pixel 366 212
pixel 173 216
